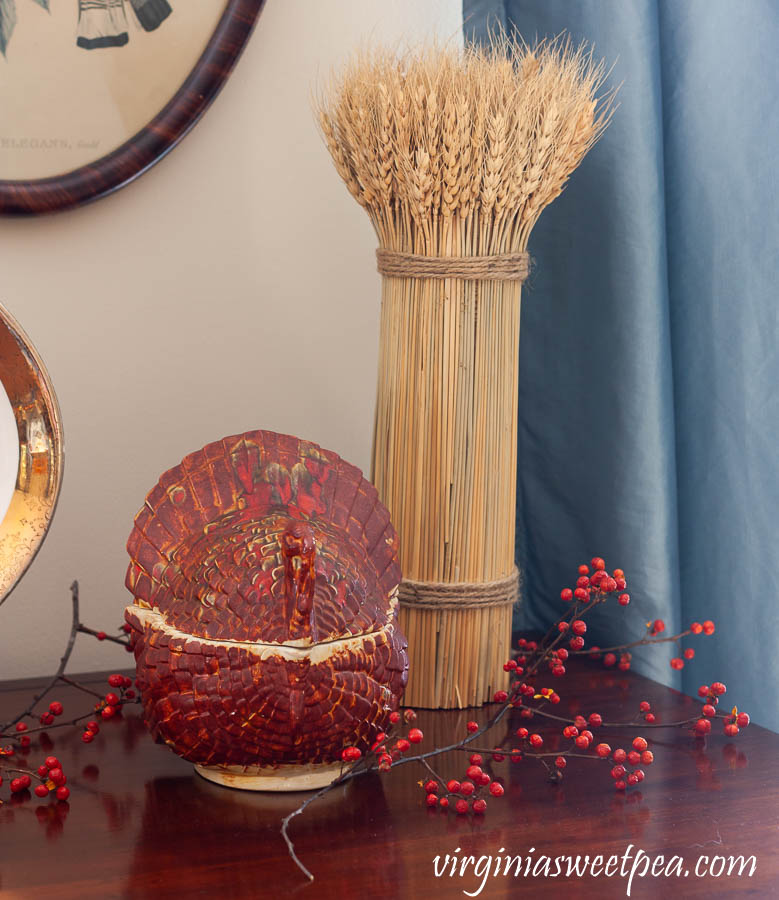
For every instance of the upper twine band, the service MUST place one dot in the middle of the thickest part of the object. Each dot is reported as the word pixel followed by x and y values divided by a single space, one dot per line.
pixel 505 267
pixel 459 595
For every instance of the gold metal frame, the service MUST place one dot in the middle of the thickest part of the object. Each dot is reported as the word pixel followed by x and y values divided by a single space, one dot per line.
pixel 41 453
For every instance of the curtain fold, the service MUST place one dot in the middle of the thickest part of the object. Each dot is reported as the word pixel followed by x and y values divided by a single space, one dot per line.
pixel 648 362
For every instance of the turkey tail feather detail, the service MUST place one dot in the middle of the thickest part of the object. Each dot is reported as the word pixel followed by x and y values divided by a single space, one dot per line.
pixel 208 547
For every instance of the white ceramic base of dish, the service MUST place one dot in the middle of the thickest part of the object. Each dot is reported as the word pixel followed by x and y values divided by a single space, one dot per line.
pixel 267 778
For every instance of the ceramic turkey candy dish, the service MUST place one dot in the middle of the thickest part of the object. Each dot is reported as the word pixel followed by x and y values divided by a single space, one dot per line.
pixel 265 576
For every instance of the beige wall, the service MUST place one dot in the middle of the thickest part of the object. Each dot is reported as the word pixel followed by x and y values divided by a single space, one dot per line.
pixel 232 287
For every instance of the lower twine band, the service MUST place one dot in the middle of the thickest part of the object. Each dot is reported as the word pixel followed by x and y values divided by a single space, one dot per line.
pixel 459 595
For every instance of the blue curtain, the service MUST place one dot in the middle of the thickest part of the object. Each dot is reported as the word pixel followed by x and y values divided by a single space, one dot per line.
pixel 649 370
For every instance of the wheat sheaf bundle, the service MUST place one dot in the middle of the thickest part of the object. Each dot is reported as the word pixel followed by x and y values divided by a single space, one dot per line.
pixel 454 154
pixel 460 150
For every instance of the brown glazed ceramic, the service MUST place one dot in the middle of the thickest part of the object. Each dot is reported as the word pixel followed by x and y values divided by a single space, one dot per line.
pixel 265 576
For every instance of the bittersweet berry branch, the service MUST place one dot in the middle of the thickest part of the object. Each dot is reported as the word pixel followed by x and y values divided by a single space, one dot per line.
pixel 681 724
pixel 49 777
pixel 590 592
pixel 6 735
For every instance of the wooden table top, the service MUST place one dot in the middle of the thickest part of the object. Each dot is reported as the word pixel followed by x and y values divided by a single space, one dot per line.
pixel 140 822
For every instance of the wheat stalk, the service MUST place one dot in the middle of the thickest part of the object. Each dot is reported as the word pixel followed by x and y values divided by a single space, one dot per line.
pixel 456 153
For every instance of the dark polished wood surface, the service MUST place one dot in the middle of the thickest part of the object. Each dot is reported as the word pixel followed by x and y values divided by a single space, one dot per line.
pixel 140 823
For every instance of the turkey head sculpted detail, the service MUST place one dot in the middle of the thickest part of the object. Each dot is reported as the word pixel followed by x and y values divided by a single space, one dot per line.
pixel 265 577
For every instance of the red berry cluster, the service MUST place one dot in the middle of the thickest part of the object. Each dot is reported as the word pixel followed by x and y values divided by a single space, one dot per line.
pixel 534 741
pixel 640 754
pixel 51 779
pixel 579 732
pixel 111 704
pixel 735 721
pixel 600 583
pixel 467 795
pixel 696 628
pixel 710 695
pixel 388 753
pixel 591 589
pixel 92 729
pixel 24 739
pixel 527 647
pixel 645 709
pixel 583 739
pixel 47 718
pixel 622 662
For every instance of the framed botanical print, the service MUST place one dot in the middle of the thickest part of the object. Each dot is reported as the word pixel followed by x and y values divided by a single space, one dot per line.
pixel 94 92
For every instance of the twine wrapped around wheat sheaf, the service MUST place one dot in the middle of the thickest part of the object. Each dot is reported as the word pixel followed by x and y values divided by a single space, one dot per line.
pixel 499 267
pixel 446 595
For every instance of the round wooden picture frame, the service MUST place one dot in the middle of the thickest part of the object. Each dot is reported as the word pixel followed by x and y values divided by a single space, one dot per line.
pixel 153 141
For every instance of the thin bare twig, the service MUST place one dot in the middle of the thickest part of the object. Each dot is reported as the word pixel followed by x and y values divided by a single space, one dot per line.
pixel 81 687
pixel 645 641
pixel 75 628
